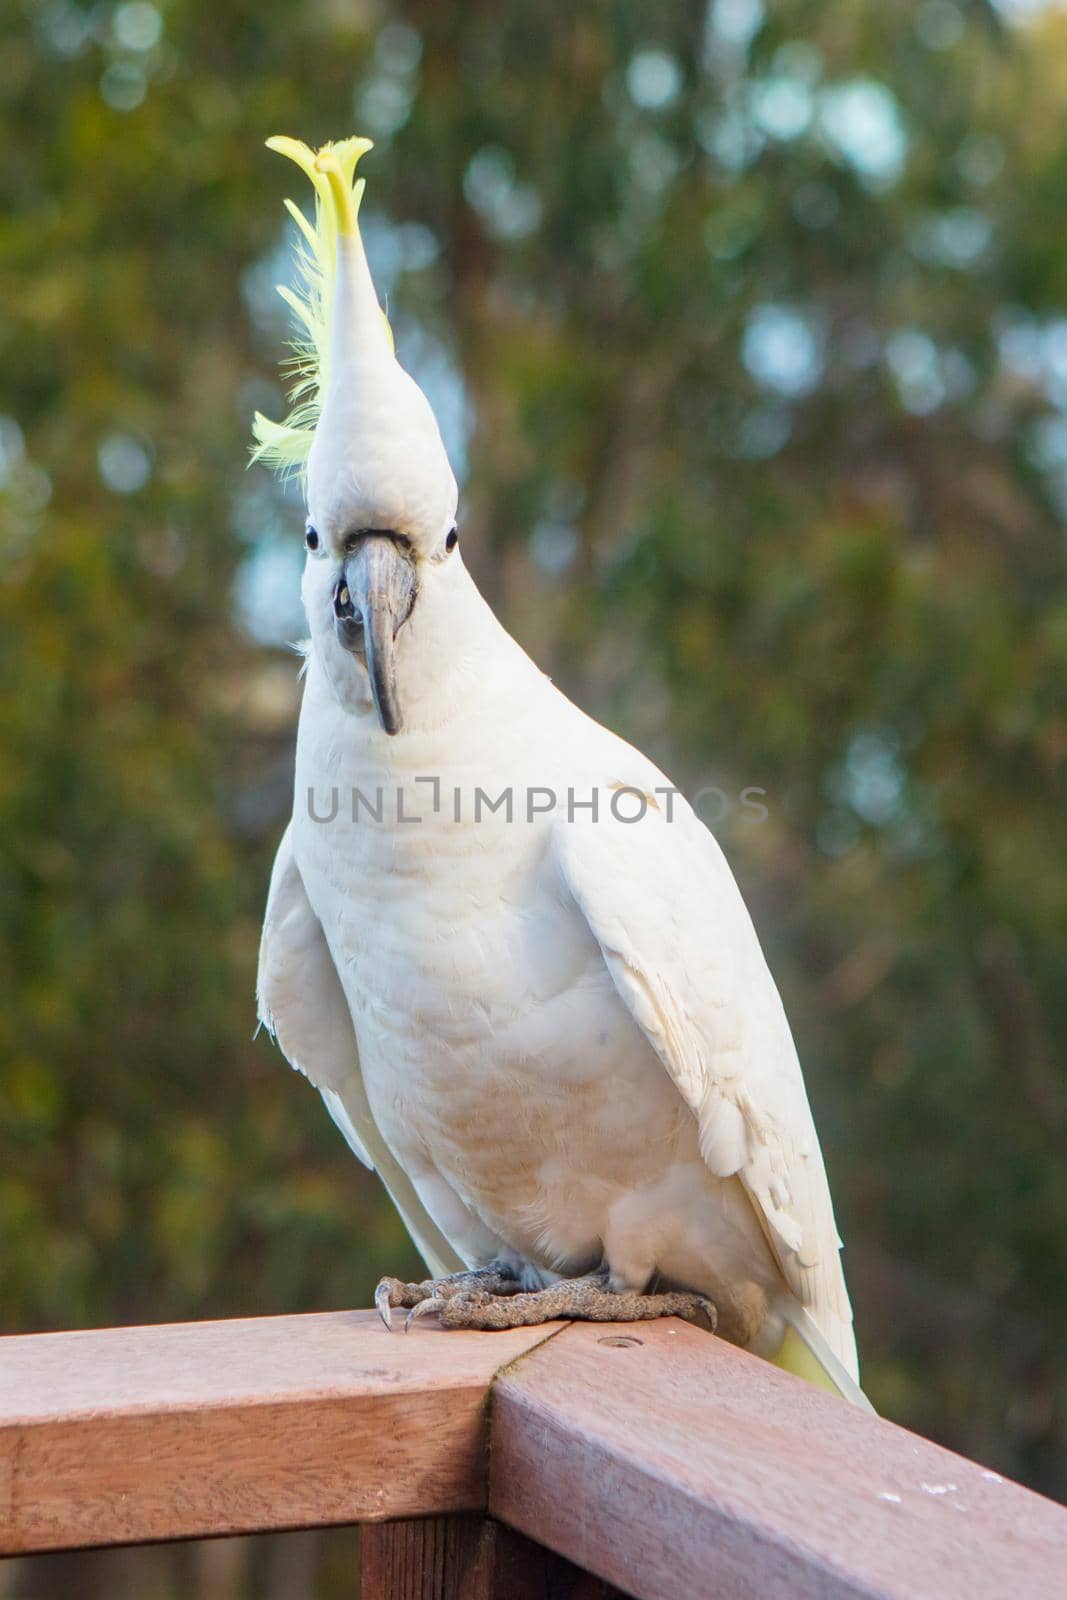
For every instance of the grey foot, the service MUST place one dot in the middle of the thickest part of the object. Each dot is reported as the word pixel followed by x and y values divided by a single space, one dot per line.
pixel 483 1305
pixel 433 1294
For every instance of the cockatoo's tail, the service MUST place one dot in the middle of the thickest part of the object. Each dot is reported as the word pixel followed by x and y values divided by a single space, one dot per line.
pixel 361 431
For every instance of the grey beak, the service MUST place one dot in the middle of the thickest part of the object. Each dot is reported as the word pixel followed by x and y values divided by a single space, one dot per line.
pixel 371 602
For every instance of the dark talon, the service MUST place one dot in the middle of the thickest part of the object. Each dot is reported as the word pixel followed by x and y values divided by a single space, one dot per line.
pixel 425 1308
pixel 381 1300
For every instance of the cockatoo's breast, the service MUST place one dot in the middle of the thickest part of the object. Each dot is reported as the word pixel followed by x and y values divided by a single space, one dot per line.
pixel 494 1047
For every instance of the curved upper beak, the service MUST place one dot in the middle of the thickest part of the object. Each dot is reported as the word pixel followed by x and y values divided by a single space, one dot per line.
pixel 372 600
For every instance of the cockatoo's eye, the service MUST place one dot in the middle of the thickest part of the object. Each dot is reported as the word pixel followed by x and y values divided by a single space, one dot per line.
pixel 311 538
pixel 452 540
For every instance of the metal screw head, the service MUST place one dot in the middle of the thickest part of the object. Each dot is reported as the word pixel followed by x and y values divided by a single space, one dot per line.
pixel 620 1341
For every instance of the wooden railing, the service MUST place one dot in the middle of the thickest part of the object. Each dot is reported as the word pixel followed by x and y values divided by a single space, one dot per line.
pixel 500 1466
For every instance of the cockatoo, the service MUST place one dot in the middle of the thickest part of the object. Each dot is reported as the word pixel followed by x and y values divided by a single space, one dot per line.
pixel 503 947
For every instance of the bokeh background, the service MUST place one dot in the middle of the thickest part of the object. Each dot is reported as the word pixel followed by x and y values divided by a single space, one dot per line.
pixel 747 327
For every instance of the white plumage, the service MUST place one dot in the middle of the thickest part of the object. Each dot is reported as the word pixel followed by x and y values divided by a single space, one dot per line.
pixel 554 1035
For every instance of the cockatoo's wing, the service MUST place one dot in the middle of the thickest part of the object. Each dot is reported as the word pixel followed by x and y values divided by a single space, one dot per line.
pixel 683 955
pixel 302 1004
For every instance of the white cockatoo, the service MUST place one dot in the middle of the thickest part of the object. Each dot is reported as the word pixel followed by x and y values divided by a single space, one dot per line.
pixel 505 950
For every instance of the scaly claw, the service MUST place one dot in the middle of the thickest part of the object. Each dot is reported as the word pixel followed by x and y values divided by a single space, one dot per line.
pixel 425 1308
pixel 381 1300
pixel 421 1299
pixel 585 1299
pixel 491 1297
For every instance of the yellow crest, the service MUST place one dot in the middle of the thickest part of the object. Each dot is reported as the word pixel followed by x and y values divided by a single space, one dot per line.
pixel 332 170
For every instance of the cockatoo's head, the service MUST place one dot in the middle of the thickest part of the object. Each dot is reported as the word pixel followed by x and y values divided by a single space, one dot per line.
pixel 381 495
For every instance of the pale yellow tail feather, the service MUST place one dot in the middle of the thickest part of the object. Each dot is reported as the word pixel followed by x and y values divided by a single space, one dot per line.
pixel 805 1352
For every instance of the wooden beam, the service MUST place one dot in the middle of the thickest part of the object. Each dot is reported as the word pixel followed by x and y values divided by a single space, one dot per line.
pixel 466 1558
pixel 670 1463
pixel 655 1457
pixel 134 1434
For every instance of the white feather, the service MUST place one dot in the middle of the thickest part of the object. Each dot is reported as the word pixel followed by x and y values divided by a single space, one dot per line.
pixel 554 1035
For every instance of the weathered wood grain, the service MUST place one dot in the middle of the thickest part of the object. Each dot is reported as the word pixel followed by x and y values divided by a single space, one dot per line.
pixel 427 1558
pixel 133 1434
pixel 657 1458
pixel 672 1464
pixel 467 1558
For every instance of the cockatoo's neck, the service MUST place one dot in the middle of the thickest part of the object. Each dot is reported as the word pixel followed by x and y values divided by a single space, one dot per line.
pixel 455 661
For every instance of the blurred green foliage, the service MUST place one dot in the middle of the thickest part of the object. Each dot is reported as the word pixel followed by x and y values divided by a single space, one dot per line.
pixel 749 329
